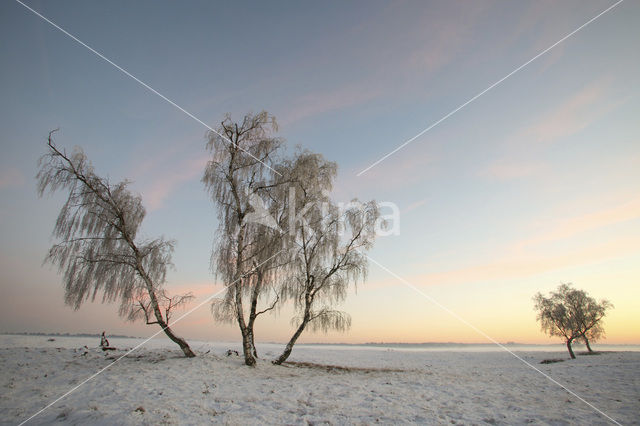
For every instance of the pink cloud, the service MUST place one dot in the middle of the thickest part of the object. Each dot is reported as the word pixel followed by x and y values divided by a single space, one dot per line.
pixel 316 103
pixel 569 117
pixel 415 205
pixel 388 70
pixel 508 171
pixel 532 256
pixel 567 228
pixel 522 266
pixel 199 289
pixel 447 38
pixel 407 168
pixel 153 159
pixel 11 177
pixel 162 185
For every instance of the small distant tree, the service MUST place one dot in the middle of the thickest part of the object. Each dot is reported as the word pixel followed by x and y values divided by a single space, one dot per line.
pixel 326 248
pixel 571 314
pixel 98 249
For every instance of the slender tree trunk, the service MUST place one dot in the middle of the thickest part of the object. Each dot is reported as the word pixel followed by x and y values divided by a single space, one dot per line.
pixel 570 349
pixel 305 320
pixel 586 342
pixel 179 341
pixel 158 314
pixel 250 333
pixel 254 351
pixel 252 343
pixel 253 313
pixel 247 339
pixel 247 335
pixel 249 359
pixel 287 350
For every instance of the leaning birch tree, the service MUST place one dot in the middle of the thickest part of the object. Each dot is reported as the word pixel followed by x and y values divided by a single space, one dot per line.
pixel 589 313
pixel 241 177
pixel 327 248
pixel 98 249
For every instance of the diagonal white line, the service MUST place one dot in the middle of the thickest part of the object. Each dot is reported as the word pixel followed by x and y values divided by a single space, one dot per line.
pixel 482 333
pixel 142 83
pixel 208 299
pixel 407 142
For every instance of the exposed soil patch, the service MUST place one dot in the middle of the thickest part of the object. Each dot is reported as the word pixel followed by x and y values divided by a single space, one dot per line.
pixel 551 361
pixel 341 369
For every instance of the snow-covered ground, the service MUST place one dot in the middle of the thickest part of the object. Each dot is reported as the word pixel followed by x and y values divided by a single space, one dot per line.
pixel 155 385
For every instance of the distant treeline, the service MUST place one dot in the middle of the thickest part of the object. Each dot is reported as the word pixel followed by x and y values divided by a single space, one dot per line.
pixel 404 344
pixel 65 334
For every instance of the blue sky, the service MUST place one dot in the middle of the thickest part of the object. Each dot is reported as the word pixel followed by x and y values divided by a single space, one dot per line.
pixel 533 184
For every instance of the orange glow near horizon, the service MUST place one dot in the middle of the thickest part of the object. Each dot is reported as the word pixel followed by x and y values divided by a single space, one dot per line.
pixel 532 183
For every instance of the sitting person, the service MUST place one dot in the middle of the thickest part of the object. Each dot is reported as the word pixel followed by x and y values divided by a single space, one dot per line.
pixel 104 343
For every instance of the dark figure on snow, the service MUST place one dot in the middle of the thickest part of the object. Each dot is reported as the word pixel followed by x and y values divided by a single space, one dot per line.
pixel 104 343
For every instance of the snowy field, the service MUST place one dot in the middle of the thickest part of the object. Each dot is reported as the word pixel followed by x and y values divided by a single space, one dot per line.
pixel 156 385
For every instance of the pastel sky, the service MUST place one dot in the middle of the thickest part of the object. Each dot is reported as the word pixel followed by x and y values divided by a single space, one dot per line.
pixel 535 183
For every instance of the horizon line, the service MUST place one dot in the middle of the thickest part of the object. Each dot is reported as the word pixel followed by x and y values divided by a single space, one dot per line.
pixel 382 343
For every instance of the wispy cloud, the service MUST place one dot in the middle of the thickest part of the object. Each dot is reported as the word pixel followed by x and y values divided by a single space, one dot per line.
pixel 160 165
pixel 155 193
pixel 398 61
pixel 446 41
pixel 568 117
pixel 316 103
pixel 566 228
pixel 540 252
pixel 414 206
pixel 408 169
pixel 199 289
pixel 522 266
pixel 511 170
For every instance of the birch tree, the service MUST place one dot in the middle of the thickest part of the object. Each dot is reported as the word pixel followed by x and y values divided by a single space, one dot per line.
pixel 556 320
pixel 326 249
pixel 571 314
pixel 589 313
pixel 98 249
pixel 240 177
